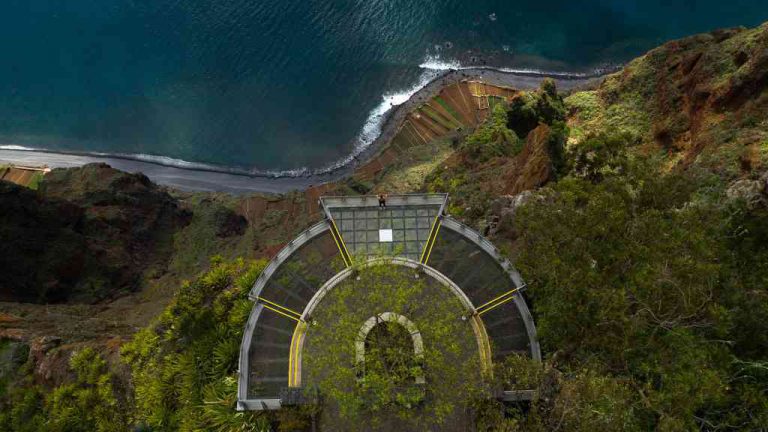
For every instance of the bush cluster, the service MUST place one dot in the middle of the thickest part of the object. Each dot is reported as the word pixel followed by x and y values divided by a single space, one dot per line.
pixel 649 293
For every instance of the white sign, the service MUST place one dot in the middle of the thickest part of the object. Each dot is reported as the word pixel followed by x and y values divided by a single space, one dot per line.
pixel 385 235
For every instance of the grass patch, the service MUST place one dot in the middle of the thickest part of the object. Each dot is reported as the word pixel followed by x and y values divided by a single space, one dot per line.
pixel 34 182
pixel 194 244
pixel 434 115
pixel 408 174
pixel 494 100
pixel 450 109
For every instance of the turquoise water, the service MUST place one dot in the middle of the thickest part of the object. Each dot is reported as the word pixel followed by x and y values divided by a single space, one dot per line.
pixel 284 84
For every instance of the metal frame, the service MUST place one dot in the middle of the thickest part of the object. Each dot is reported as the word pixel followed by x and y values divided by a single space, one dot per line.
pixel 483 343
pixel 328 202
pixel 490 249
pixel 322 226
pixel 285 253
pixel 243 403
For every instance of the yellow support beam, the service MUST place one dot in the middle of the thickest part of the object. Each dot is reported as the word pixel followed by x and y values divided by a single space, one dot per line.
pixel 483 345
pixel 496 305
pixel 281 313
pixel 434 240
pixel 298 315
pixel 430 240
pixel 294 356
pixel 512 291
pixel 336 234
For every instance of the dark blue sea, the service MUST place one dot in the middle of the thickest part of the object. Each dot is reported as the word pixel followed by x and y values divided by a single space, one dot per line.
pixel 284 84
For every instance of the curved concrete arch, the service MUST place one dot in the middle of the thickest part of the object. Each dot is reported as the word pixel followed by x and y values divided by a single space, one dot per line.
pixel 514 276
pixel 321 227
pixel 407 262
pixel 413 331
pixel 483 343
pixel 305 237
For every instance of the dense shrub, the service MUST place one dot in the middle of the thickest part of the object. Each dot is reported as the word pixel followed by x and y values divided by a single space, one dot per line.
pixel 599 156
pixel 531 108
pixel 649 293
pixel 184 364
pixel 89 403
pixel 492 139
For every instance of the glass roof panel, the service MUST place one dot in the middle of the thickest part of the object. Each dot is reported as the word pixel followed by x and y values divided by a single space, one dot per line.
pixel 410 217
pixel 482 279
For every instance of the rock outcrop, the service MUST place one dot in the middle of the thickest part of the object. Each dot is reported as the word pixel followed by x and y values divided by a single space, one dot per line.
pixel 88 233
pixel 501 216
pixel 533 167
pixel 702 99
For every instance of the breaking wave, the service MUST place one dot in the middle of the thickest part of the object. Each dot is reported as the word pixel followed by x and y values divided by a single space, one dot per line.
pixel 432 68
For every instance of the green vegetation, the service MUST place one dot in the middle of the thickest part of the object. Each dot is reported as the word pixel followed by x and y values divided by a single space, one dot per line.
pixel 456 117
pixel 492 138
pixel 598 157
pixel 639 282
pixel 383 392
pixel 182 370
pixel 533 108
pixel 88 403
pixel 214 229
pixel 611 111
pixel 184 364
pixel 34 182
pixel 407 174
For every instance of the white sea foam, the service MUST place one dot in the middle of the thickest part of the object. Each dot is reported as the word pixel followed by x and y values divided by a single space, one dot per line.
pixel 373 124
pixel 15 147
pixel 438 64
pixel 162 160
pixel 432 66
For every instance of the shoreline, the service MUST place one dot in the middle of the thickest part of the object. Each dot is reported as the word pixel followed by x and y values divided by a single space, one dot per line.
pixel 210 178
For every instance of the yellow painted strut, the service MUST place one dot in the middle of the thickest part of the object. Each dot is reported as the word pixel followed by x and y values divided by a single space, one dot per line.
pixel 336 234
pixel 281 313
pixel 294 356
pixel 431 240
pixel 291 311
pixel 498 301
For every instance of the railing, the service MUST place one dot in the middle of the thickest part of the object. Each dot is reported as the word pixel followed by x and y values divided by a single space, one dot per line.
pixel 283 255
pixel 329 202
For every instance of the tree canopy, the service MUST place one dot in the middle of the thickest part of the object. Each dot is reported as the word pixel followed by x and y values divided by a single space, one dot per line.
pixel 387 396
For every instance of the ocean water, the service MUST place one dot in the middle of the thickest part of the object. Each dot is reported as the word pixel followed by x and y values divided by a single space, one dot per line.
pixel 285 84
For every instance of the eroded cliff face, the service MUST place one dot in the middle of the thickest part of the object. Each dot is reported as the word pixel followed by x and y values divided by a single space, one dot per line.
pixel 701 100
pixel 89 233
pixel 534 164
pixel 94 233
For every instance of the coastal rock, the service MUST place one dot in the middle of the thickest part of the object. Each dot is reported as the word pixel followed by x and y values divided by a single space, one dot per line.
pixel 87 234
